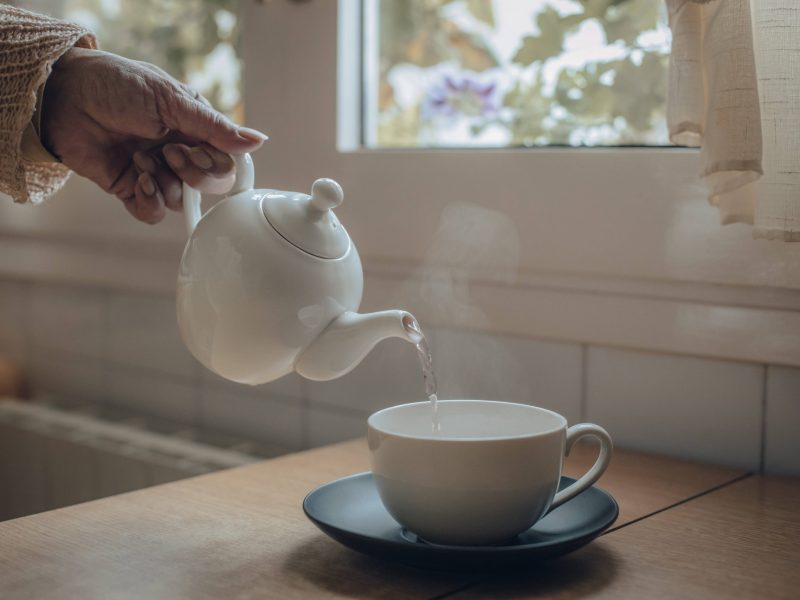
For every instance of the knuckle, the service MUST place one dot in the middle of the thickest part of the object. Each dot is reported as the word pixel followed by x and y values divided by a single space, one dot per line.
pixel 193 93
pixel 217 120
pixel 168 98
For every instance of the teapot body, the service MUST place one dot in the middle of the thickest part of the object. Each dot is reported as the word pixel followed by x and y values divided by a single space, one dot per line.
pixel 249 301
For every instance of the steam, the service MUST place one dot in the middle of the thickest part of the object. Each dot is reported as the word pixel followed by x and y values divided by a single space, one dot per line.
pixel 472 244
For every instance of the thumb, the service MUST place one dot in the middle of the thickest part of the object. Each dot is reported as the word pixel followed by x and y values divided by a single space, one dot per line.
pixel 199 121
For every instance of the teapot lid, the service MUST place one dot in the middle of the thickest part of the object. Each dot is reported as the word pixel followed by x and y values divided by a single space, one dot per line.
pixel 308 222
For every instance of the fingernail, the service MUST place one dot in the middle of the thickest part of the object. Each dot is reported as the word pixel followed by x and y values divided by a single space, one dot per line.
pixel 252 135
pixel 147 183
pixel 200 158
pixel 175 157
pixel 144 162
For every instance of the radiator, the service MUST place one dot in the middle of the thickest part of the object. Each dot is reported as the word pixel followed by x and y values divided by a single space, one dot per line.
pixel 57 452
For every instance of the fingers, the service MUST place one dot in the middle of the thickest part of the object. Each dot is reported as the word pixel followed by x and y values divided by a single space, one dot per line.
pixel 160 177
pixel 167 182
pixel 139 195
pixel 182 112
pixel 147 205
pixel 202 167
pixel 122 186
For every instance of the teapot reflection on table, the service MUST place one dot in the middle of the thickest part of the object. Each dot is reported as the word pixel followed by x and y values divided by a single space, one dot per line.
pixel 270 282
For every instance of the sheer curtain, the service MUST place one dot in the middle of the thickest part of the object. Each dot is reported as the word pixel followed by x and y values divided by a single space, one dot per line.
pixel 735 92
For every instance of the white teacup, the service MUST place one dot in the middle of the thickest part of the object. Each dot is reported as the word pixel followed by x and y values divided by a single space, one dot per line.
pixel 489 474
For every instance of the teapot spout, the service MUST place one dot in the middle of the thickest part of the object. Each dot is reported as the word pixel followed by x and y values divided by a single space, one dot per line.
pixel 349 338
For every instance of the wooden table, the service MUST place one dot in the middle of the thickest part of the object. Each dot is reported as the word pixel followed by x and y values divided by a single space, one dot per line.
pixel 684 531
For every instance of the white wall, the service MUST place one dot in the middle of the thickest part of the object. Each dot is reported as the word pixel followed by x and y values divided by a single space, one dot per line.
pixel 123 348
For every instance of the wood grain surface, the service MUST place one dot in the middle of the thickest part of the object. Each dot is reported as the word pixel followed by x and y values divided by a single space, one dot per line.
pixel 645 483
pixel 740 541
pixel 242 533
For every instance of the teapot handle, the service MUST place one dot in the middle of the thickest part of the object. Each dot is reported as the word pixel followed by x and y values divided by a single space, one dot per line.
pixel 244 181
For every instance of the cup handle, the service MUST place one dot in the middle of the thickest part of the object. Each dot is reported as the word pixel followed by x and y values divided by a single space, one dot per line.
pixel 575 433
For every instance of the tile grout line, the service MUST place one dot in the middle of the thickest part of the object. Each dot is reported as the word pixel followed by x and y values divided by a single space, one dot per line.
pixel 27 297
pixel 305 430
pixel 637 520
pixel 583 408
pixel 105 359
pixel 199 400
pixel 763 446
pixel 193 380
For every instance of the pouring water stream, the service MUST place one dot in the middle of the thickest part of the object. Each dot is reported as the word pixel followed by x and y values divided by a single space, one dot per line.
pixel 426 362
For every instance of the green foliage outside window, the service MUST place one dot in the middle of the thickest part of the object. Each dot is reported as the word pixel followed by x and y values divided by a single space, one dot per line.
pixel 577 72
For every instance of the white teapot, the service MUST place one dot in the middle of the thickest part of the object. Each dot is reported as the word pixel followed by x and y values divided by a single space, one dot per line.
pixel 270 283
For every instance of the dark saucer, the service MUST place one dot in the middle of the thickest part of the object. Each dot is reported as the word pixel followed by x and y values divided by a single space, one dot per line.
pixel 350 511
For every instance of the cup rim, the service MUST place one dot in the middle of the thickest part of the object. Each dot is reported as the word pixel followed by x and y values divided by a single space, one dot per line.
pixel 454 440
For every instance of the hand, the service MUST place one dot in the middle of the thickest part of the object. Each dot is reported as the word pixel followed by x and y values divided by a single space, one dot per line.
pixel 137 132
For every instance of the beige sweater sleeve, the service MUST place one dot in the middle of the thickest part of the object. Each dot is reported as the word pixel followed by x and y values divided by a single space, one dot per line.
pixel 29 45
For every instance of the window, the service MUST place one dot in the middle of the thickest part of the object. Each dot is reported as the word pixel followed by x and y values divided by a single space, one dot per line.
pixel 499 73
pixel 195 41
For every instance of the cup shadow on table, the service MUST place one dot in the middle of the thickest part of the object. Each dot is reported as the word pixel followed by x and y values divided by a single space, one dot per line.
pixel 331 567
pixel 582 573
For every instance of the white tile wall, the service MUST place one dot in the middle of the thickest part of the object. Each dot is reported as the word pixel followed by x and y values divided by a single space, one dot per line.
pixel 289 386
pixel 254 413
pixel 73 469
pixel 66 375
pixel 14 308
pixel 472 365
pixel 166 473
pixel 28 460
pixel 143 332
pixel 692 408
pixel 389 375
pixel 554 372
pixel 782 449
pixel 174 398
pixel 330 425
pixel 124 347
pixel 69 320
pixel 119 473
pixel 467 365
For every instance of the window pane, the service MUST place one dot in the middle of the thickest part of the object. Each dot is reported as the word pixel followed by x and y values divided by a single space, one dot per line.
pixel 195 41
pixel 498 73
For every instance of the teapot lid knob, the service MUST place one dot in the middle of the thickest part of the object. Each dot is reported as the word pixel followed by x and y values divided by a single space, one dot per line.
pixel 326 194
pixel 308 222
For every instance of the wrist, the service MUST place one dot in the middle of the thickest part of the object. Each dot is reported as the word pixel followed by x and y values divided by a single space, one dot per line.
pixel 53 95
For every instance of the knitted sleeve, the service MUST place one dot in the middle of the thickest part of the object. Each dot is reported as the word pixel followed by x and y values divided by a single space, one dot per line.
pixel 29 46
